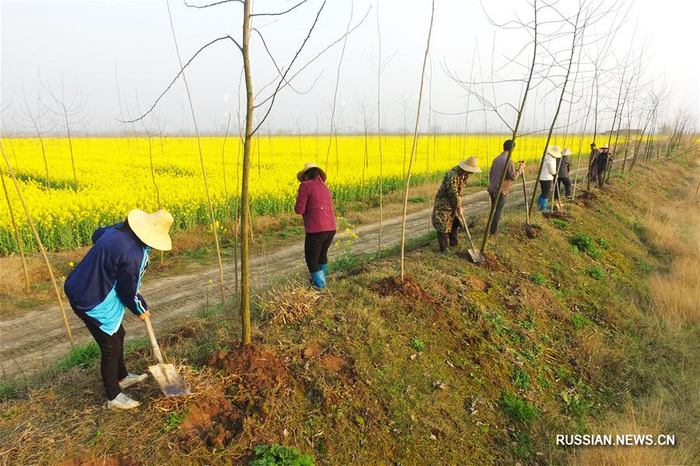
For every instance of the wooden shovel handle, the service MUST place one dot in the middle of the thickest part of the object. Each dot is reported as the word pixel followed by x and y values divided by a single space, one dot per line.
pixel 154 342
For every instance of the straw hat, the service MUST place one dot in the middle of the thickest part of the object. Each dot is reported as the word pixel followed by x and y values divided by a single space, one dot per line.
pixel 605 146
pixel 554 151
pixel 153 228
pixel 470 165
pixel 567 151
pixel 309 166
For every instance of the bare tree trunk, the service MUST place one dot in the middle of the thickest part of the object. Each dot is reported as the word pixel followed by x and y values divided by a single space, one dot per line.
pixel 201 161
pixel 15 230
pixel 415 143
pixel 379 137
pixel 556 115
pixel 515 132
pixel 39 243
pixel 245 196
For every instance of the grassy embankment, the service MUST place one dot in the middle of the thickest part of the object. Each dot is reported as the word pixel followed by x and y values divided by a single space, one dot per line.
pixel 592 327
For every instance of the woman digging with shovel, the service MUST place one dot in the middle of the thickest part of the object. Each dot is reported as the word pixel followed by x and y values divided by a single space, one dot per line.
pixel 448 202
pixel 106 282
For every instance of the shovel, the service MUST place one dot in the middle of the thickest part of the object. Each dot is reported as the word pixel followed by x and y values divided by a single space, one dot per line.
pixel 170 382
pixel 474 253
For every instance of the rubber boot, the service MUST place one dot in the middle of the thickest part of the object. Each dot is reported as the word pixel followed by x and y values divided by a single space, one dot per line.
pixel 542 203
pixel 324 269
pixel 545 201
pixel 318 280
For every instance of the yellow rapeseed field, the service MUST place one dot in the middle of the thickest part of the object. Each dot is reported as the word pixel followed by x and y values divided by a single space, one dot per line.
pixel 114 176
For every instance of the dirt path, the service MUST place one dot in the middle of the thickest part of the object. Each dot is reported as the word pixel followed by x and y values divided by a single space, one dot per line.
pixel 37 339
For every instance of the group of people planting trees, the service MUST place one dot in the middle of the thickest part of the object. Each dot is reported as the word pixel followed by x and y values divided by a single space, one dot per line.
pixel 556 166
pixel 107 281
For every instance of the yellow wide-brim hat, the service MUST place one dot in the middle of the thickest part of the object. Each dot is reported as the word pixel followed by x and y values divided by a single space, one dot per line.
pixel 309 166
pixel 554 151
pixel 470 165
pixel 153 229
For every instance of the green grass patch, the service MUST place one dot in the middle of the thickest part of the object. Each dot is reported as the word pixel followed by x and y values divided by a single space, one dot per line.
pixel 580 321
pixel 595 272
pixel 560 223
pixel 518 409
pixel 417 200
pixel 586 244
pixel 417 345
pixel 83 356
pixel 277 455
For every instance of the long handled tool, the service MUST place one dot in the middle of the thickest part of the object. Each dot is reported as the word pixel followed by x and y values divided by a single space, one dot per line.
pixel 529 231
pixel 476 255
pixel 170 381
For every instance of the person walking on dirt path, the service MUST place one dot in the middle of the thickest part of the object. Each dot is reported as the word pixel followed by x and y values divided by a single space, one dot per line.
pixel 593 163
pixel 315 205
pixel 448 202
pixel 602 164
pixel 106 283
pixel 564 165
pixel 549 170
pixel 497 167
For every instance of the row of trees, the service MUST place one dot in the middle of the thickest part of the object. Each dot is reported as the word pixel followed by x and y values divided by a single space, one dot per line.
pixel 570 74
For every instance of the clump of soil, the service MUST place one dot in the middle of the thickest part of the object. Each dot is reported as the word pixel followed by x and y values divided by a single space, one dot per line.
pixel 558 215
pixel 475 284
pixel 532 230
pixel 253 376
pixel 216 421
pixel 312 350
pixel 587 195
pixel 116 460
pixel 255 367
pixel 407 289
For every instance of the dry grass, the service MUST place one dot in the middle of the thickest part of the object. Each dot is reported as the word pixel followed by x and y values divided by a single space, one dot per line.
pixel 674 295
pixel 291 304
pixel 662 414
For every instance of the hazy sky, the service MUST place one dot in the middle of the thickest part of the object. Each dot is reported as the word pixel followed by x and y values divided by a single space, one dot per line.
pixel 96 45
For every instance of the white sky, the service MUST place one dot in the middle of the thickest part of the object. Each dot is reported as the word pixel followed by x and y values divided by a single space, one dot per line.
pixel 94 44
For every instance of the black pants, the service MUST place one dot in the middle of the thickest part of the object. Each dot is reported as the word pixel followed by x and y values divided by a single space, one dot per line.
pixel 546 186
pixel 112 365
pixel 601 175
pixel 316 249
pixel 497 214
pixel 567 187
pixel 451 237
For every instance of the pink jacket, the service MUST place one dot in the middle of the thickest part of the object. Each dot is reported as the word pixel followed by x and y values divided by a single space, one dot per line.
pixel 315 205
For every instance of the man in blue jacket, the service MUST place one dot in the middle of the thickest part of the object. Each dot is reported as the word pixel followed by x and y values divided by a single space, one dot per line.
pixel 107 281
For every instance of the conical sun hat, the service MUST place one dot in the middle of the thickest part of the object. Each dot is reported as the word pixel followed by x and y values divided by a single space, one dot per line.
pixel 470 165
pixel 554 151
pixel 567 151
pixel 153 228
pixel 309 166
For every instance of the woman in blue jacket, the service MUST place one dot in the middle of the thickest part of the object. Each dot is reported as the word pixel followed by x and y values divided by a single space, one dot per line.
pixel 107 281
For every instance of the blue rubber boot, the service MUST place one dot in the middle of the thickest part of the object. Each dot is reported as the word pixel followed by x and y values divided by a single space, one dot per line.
pixel 324 268
pixel 318 280
pixel 545 201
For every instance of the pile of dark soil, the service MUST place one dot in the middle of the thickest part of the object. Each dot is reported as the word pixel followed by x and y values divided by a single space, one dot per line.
pixel 558 215
pixel 407 289
pixel 253 377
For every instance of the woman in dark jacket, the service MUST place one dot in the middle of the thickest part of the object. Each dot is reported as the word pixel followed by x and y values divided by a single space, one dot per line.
pixel 315 205
pixel 107 282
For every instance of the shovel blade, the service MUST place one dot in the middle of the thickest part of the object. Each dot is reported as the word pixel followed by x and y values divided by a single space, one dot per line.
pixel 169 380
pixel 476 255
